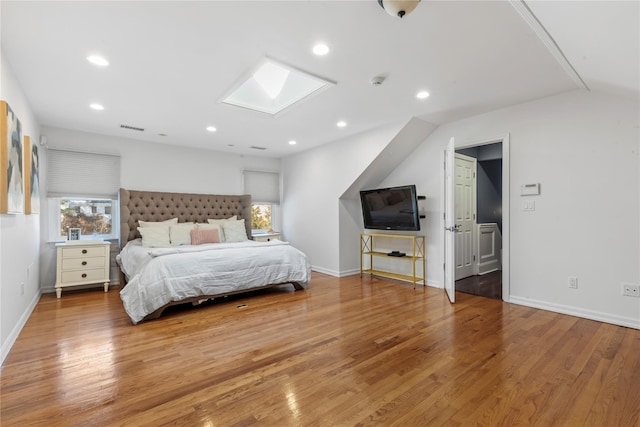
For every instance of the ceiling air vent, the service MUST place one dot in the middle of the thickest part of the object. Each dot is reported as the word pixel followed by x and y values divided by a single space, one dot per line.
pixel 132 128
pixel 253 147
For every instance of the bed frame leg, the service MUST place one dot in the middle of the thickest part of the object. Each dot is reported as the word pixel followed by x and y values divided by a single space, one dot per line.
pixel 297 286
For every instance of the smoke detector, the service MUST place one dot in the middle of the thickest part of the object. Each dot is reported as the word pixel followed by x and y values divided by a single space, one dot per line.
pixel 377 80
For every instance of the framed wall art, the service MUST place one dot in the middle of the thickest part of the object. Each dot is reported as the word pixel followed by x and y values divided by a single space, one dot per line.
pixel 11 162
pixel 31 177
pixel 27 175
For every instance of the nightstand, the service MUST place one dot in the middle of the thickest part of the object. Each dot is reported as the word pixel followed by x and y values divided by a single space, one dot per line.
pixel 82 263
pixel 266 237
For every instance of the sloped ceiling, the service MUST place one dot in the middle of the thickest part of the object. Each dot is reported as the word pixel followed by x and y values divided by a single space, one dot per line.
pixel 600 39
pixel 171 62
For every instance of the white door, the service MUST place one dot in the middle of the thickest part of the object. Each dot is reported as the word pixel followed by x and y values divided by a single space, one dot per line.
pixel 449 223
pixel 465 214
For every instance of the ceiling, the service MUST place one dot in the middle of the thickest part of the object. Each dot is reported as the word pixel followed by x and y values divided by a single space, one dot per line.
pixel 171 63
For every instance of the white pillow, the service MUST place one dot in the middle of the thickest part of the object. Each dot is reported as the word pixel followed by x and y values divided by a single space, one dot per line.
pixel 218 221
pixel 166 223
pixel 213 227
pixel 234 231
pixel 180 234
pixel 155 237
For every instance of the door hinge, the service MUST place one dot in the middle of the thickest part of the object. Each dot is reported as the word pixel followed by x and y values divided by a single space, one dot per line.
pixel 474 174
pixel 474 217
pixel 474 257
pixel 444 266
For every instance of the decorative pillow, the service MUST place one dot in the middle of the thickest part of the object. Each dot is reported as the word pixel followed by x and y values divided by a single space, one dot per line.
pixel 234 231
pixel 212 227
pixel 155 237
pixel 199 237
pixel 166 223
pixel 180 234
pixel 218 221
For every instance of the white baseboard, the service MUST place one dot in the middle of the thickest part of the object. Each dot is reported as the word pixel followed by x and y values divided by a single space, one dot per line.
pixel 325 271
pixel 13 336
pixel 628 322
pixel 435 284
pixel 487 268
pixel 52 289
pixel 350 272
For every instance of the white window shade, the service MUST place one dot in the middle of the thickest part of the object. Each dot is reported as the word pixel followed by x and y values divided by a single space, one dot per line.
pixel 264 187
pixel 76 174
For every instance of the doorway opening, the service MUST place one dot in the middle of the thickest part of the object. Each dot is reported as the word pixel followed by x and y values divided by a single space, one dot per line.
pixel 479 209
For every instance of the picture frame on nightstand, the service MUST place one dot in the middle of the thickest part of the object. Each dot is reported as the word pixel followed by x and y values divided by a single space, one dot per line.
pixel 74 233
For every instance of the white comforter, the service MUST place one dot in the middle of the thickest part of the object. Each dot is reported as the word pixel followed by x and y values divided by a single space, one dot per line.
pixel 159 276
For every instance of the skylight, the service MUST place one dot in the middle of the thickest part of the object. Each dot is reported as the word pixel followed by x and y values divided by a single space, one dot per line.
pixel 272 87
pixel 271 78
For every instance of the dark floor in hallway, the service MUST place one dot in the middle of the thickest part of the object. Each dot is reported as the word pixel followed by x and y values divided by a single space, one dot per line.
pixel 488 285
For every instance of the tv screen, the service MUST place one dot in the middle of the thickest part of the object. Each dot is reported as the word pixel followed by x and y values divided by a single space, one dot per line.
pixel 394 208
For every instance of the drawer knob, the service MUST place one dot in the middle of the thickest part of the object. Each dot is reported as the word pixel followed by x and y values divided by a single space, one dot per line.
pixel 84 275
pixel 84 251
pixel 84 262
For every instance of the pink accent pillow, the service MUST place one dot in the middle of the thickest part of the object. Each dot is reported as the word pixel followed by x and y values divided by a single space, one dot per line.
pixel 198 237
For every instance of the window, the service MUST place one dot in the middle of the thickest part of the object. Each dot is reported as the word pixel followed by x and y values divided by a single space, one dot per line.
pixel 82 190
pixel 261 217
pixel 264 188
pixel 91 215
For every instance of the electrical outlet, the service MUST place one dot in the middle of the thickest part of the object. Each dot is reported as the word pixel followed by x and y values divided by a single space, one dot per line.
pixel 630 290
pixel 573 282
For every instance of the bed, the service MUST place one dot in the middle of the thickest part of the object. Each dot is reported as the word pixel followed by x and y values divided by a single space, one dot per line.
pixel 159 276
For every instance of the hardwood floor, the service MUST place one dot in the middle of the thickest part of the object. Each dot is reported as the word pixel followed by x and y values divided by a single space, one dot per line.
pixel 346 352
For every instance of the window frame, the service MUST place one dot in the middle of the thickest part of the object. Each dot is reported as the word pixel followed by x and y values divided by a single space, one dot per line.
pixel 54 218
pixel 275 219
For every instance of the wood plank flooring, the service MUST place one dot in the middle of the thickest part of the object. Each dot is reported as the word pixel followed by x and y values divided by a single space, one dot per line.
pixel 345 352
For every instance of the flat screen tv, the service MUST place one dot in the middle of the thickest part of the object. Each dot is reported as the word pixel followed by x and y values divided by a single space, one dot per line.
pixel 394 208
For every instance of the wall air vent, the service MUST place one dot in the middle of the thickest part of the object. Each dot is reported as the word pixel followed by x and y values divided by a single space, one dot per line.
pixel 132 128
pixel 253 147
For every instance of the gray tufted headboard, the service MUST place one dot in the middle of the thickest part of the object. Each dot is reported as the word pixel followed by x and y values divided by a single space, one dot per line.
pixel 159 206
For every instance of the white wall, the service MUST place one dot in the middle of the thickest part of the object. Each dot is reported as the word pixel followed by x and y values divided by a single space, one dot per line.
pixel 313 182
pixel 583 148
pixel 19 234
pixel 155 167
pixel 399 148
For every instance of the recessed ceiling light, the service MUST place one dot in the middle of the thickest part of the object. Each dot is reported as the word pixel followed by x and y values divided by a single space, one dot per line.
pixel 96 107
pixel 321 49
pixel 292 142
pixel 211 128
pixel 422 94
pixel 97 60
pixel 341 124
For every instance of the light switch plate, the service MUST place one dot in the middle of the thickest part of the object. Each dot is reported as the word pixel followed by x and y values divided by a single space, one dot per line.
pixel 529 205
